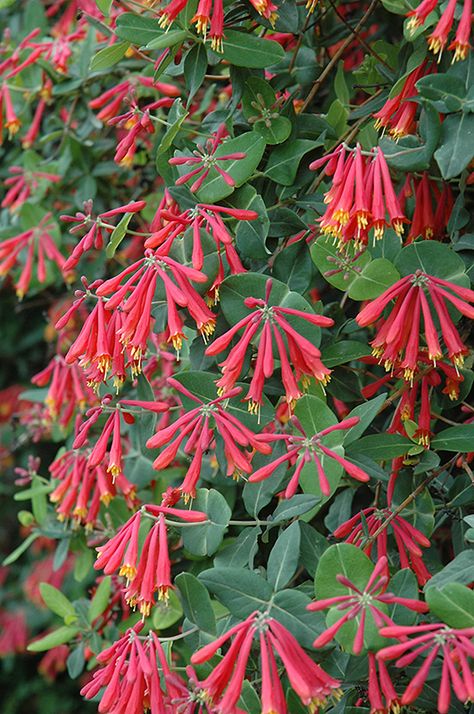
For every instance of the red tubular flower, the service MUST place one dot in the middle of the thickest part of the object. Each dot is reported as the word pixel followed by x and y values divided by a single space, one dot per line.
pixel 67 391
pixel 409 540
pixel 82 488
pixel 204 159
pixel 223 686
pixel 396 333
pixel 360 197
pixel 383 698
pixel 133 672
pixel 197 429
pixel 398 112
pixel 37 241
pixel 455 648
pixel 305 357
pixel 302 449
pixel 134 298
pixel 147 568
pixel 361 603
pixel 169 224
pixel 12 122
pixel 461 44
pixel 438 39
pixel 95 228
pixel 22 183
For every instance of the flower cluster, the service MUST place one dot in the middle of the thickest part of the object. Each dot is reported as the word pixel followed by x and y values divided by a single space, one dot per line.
pixel 264 324
pixel 361 196
pixel 398 336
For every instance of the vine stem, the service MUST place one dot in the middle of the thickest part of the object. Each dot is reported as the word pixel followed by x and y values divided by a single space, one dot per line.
pixel 336 57
pixel 409 499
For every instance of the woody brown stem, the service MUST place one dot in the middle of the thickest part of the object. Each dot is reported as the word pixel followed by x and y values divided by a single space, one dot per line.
pixel 336 57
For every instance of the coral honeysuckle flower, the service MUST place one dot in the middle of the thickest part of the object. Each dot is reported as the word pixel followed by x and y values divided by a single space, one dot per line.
pixel 94 228
pixel 22 183
pixel 204 159
pixel 110 101
pixel 302 450
pixel 398 112
pixel 133 673
pixel 398 335
pixel 433 640
pixel 83 488
pixel 209 17
pixel 146 567
pixel 198 427
pixel 298 356
pixel 381 693
pixel 224 684
pixel 67 390
pixel 12 123
pixel 427 221
pixel 170 224
pixel 409 540
pixel 361 196
pixel 438 39
pixel 360 603
pixel 135 296
pixel 37 241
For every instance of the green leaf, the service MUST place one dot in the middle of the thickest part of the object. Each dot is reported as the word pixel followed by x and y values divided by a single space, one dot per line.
pixel 455 438
pixel 53 639
pixel 459 570
pixel 366 413
pixel 205 539
pixel 433 258
pixel 258 105
pixel 289 608
pixel 104 6
pixel 313 544
pixel 293 507
pixel 195 65
pixel 453 604
pixel 457 144
pixel 241 591
pixel 108 56
pixel 136 28
pixel 196 602
pixel 362 278
pixel 374 279
pixel 176 116
pixel 56 601
pixel 215 188
pixel 75 661
pixel 118 234
pixel 284 161
pixel 403 584
pixel 101 599
pixel 241 552
pixel 341 559
pixel 246 50
pixel 343 352
pixel 168 39
pixel 167 612
pixel 249 700
pixel 446 92
pixel 381 446
pixel 283 558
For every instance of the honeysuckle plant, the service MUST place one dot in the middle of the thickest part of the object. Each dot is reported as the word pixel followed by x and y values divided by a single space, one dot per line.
pixel 236 257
